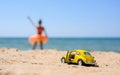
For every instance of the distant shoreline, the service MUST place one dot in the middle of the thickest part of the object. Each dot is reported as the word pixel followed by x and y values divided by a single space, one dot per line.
pixel 72 37
pixel 57 49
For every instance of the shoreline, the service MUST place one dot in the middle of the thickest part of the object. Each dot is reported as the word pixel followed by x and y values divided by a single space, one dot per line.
pixel 59 50
pixel 47 62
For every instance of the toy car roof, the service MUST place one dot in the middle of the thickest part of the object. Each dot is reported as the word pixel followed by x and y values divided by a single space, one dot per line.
pixel 80 50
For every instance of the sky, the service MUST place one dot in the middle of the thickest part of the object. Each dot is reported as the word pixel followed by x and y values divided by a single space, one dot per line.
pixel 61 18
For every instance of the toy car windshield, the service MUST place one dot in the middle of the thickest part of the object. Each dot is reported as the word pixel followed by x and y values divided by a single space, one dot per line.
pixel 87 53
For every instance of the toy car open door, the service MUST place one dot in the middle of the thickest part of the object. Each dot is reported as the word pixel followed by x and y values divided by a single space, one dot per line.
pixel 67 56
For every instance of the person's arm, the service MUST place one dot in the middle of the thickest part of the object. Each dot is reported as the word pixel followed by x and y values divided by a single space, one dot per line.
pixel 45 32
pixel 31 21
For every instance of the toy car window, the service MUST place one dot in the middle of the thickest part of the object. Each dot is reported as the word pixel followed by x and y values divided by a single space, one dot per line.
pixel 77 53
pixel 73 53
pixel 87 53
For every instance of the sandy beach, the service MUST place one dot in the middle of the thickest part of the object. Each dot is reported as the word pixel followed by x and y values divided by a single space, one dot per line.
pixel 47 62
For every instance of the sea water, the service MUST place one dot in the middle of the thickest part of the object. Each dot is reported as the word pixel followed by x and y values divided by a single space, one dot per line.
pixel 91 44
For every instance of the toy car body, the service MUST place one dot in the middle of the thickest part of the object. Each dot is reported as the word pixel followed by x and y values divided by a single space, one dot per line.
pixel 79 57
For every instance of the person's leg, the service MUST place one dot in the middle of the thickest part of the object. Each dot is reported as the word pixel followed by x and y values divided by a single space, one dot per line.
pixel 41 45
pixel 34 46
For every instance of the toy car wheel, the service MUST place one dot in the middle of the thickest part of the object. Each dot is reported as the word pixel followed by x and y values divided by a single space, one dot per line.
pixel 80 62
pixel 63 60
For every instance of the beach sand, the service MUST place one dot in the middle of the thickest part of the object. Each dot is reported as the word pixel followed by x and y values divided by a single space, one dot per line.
pixel 47 62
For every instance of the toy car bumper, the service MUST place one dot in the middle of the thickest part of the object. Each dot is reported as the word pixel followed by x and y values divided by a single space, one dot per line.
pixel 91 63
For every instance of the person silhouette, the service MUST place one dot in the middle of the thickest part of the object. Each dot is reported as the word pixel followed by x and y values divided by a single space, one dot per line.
pixel 40 29
pixel 39 38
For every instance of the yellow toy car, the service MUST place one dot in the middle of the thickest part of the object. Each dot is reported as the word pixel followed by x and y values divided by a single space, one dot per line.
pixel 79 57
